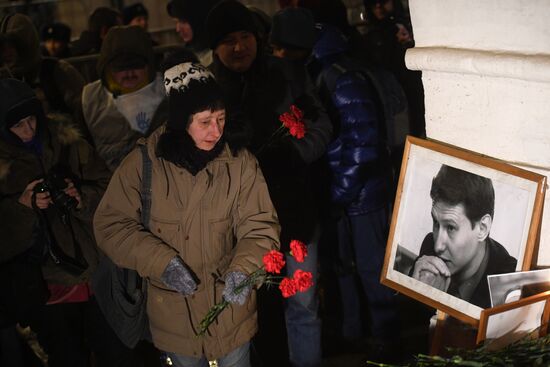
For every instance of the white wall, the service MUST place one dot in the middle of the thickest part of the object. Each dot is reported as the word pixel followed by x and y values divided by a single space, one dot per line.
pixel 486 75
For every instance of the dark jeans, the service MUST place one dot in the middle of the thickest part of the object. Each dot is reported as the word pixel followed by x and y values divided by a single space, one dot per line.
pixel 69 332
pixel 301 312
pixel 362 238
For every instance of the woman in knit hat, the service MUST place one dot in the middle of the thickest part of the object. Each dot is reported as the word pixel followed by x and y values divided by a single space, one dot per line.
pixel 212 221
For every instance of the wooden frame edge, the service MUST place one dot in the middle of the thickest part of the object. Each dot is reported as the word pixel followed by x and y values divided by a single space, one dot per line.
pixel 486 313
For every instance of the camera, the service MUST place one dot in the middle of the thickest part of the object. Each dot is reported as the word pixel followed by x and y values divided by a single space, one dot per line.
pixel 55 184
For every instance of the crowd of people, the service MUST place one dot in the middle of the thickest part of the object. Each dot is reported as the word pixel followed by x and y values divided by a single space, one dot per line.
pixel 203 133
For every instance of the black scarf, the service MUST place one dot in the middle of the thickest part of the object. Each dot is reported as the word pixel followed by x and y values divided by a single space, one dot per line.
pixel 179 148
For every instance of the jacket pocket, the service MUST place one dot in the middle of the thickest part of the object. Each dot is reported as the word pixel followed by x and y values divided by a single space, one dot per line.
pixel 168 313
pixel 168 230
pixel 221 237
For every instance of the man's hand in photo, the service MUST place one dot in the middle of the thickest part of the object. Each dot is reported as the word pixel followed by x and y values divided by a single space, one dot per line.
pixel 432 271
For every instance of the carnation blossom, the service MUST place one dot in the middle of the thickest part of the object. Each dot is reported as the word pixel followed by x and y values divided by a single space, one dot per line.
pixel 298 250
pixel 273 261
pixel 303 280
pixel 294 122
pixel 288 287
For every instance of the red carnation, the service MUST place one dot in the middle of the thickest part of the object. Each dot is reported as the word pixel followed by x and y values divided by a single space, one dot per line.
pixel 303 280
pixel 274 261
pixel 293 121
pixel 288 287
pixel 297 112
pixel 298 130
pixel 299 250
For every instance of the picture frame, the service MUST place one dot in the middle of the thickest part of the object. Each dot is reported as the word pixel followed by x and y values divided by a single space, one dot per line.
pixel 514 225
pixel 509 322
pixel 512 286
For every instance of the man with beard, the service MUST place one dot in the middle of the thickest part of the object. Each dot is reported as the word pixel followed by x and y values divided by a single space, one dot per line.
pixel 128 101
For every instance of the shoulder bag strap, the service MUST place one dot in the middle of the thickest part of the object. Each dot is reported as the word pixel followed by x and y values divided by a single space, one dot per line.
pixel 134 280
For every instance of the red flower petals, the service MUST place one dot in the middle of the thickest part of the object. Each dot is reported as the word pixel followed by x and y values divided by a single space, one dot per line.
pixel 288 287
pixel 303 280
pixel 299 250
pixel 293 121
pixel 273 261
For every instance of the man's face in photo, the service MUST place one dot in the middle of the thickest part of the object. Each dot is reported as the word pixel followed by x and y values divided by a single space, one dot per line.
pixel 237 51
pixel 455 241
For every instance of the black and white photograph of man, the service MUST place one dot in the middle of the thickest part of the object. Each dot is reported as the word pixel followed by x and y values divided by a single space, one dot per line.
pixel 459 253
pixel 456 222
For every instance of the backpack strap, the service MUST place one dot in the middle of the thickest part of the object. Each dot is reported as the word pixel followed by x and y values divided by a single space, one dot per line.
pixel 145 186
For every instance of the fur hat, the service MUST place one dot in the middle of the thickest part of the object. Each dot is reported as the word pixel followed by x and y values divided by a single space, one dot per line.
pixel 226 17
pixel 191 88
pixel 293 28
pixel 134 11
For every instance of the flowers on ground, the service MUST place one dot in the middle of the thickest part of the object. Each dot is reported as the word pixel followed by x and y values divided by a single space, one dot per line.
pixel 273 263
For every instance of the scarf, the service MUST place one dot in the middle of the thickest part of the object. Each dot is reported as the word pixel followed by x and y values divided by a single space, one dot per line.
pixel 179 148
pixel 140 106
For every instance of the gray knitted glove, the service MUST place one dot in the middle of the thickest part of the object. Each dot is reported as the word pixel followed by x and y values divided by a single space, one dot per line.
pixel 178 277
pixel 232 280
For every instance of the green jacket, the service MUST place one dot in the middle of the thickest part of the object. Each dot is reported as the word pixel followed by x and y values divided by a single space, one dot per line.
pixel 220 220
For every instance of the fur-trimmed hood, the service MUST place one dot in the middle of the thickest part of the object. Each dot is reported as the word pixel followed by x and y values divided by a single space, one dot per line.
pixel 65 130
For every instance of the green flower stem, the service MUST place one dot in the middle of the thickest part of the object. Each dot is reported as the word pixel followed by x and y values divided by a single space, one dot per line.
pixel 271 139
pixel 259 276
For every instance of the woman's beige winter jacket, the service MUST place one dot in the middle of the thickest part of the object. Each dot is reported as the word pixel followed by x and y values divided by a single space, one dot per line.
pixel 220 220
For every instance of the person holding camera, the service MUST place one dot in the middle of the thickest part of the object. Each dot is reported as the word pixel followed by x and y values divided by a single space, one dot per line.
pixel 50 184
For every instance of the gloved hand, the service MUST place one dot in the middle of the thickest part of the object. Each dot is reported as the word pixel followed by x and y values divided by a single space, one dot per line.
pixel 178 277
pixel 232 280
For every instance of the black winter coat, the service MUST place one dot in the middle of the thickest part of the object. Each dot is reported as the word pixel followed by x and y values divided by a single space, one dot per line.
pixel 255 101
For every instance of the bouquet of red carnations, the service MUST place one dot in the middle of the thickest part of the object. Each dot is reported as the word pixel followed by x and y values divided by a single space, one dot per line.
pixel 273 263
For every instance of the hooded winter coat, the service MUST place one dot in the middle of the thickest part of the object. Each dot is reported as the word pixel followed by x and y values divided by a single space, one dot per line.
pixel 57 84
pixel 19 166
pixel 110 131
pixel 218 221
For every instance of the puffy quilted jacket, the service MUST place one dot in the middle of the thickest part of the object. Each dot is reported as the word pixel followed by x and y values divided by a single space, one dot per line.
pixel 357 156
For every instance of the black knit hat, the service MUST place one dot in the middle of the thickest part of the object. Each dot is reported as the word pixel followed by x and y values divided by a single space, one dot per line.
pixel 191 88
pixel 293 28
pixel 134 11
pixel 18 102
pixel 56 31
pixel 227 17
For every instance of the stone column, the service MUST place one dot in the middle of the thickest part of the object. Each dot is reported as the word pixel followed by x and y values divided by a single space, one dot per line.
pixel 486 75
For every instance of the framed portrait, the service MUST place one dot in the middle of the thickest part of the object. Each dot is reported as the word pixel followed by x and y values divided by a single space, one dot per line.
pixel 458 217
pixel 512 321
